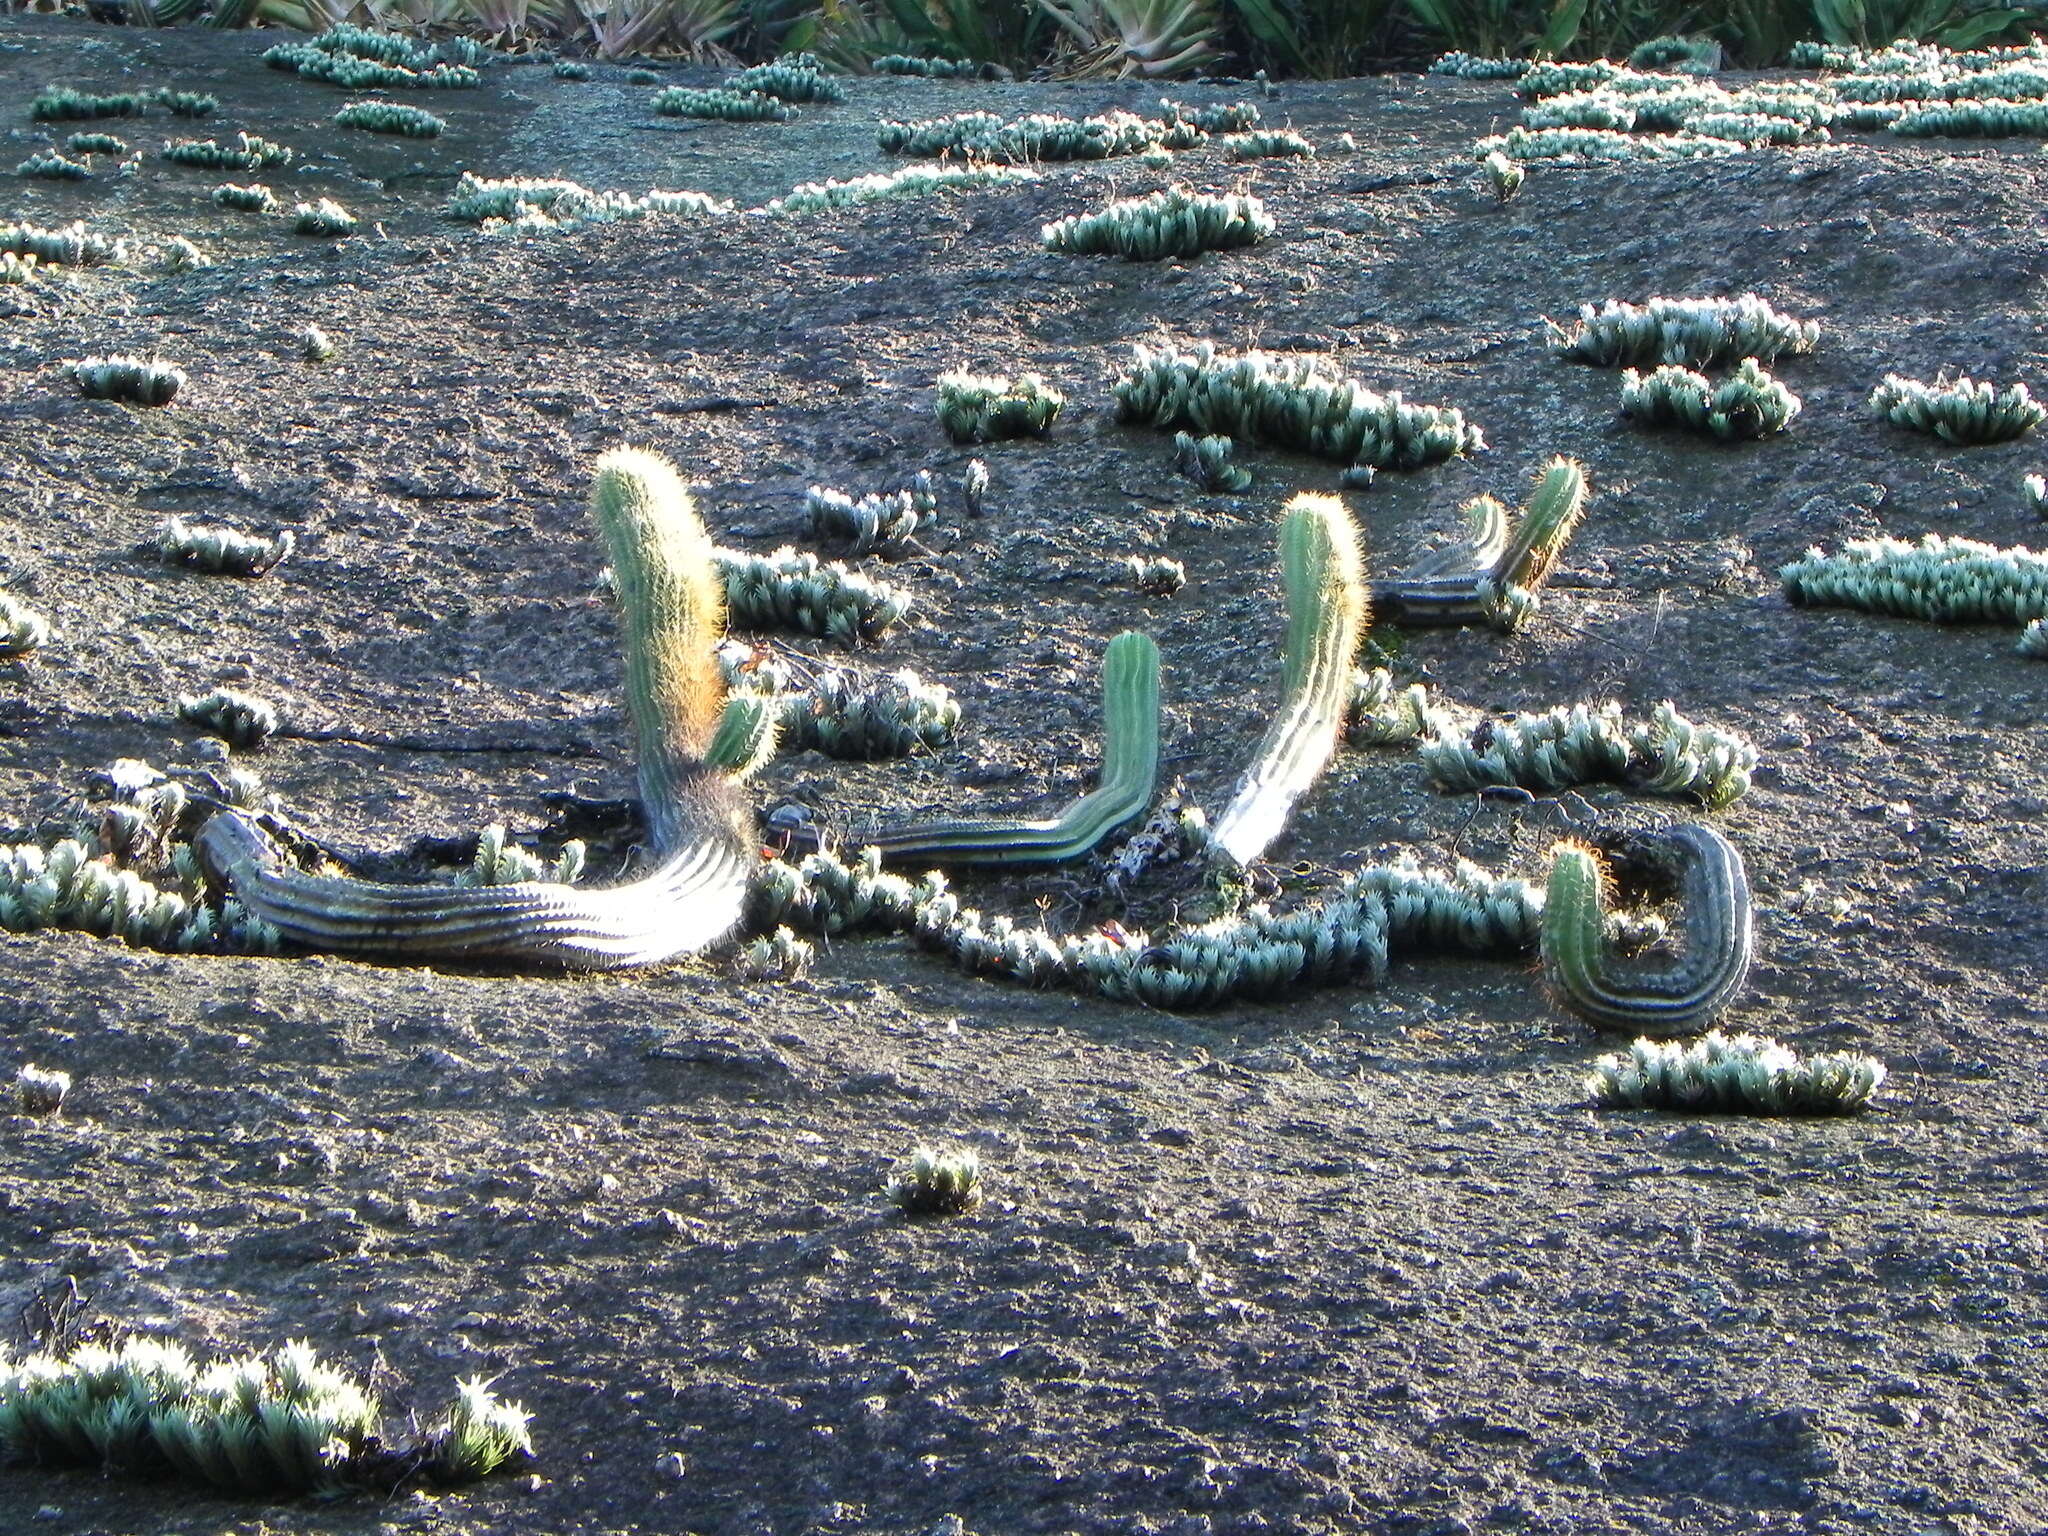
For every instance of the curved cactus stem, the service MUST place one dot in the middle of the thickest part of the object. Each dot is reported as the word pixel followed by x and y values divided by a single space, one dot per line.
pixel 1130 774
pixel 1327 611
pixel 1719 940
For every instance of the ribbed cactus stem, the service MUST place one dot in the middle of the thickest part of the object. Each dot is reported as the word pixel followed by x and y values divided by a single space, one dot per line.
pixel 671 615
pixel 1545 525
pixel 1327 612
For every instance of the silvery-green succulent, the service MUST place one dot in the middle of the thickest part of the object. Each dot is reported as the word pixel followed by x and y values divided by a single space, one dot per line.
pixel 249 152
pixel 722 105
pixel 1210 462
pixel 390 117
pixel 1268 144
pixel 22 629
pixel 241 719
pixel 791 78
pixel 883 521
pixel 1465 66
pixel 982 408
pixel 1734 1074
pixel 798 591
pixel 881 186
pixel 137 380
pixel 1962 411
pixel 1686 333
pixel 1175 222
pixel 1580 744
pixel 250 199
pixel 937 1183
pixel 49 165
pixel 40 1090
pixel 325 219
pixel 779 956
pixel 1750 404
pixel 1155 575
pixel 70 246
pixel 216 547
pixel 61 104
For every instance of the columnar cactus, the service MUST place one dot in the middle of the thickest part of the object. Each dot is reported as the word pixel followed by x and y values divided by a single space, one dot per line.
pixel 1175 222
pixel 1677 998
pixel 1964 411
pixel 1328 610
pixel 1751 404
pixel 1734 1074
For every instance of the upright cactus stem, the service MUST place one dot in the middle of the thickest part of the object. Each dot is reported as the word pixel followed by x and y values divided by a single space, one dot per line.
pixel 1327 612
pixel 1505 562
pixel 1679 998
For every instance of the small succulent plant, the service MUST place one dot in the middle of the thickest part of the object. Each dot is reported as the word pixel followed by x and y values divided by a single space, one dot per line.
pixel 1560 748
pixel 1962 411
pixel 70 246
pixel 315 345
pixel 215 547
pixel 249 152
pixel 1041 137
pixel 1268 144
pixel 61 104
pixel 251 199
pixel 974 487
pixel 1750 404
pixel 22 629
pixel 40 1090
pixel 981 408
pixel 575 69
pixel 781 956
pixel 791 78
pixel 882 186
pixel 1210 462
pixel 1940 579
pixel 49 165
pixel 137 380
pixel 1505 175
pixel 390 117
pixel 798 591
pixel 2035 488
pixel 178 254
pixel 1155 575
pixel 16 271
pixel 1176 222
pixel 95 144
pixel 930 69
pixel 325 219
pixel 936 1183
pixel 1734 1074
pixel 499 861
pixel 1465 66
pixel 886 522
pixel 722 105
pixel 185 103
pixel 242 720
pixel 1686 333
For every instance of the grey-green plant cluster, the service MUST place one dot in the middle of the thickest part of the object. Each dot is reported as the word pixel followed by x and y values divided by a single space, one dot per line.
pixel 23 630
pixel 1155 575
pixel 1750 404
pixel 1381 713
pixel 71 885
pixel 522 204
pixel 930 69
pixel 315 345
pixel 216 547
pixel 794 77
pixel 571 69
pixel 841 712
pixel 1964 411
pixel 242 720
pixel 936 1183
pixel 1175 222
pixel 282 1423
pixel 16 271
pixel 359 59
pixel 883 521
pixel 390 117
pixel 1940 579
pixel 96 144
pixel 883 186
pixel 1298 403
pixel 251 199
pixel 323 220
pixel 71 246
pixel 40 1090
pixel 1210 462
pixel 1602 144
pixel 1268 144
pixel 1039 137
pixel 722 105
pixel 1743 1074
pixel 145 381
pixel 1464 66
pixel 500 861
pixel 185 103
pixel 778 956
pixel 984 408
pixel 1560 748
pixel 1217 117
pixel 61 104
pixel 178 254
pixel 2035 489
pixel 795 590
pixel 49 165
pixel 1673 998
pixel 1505 175
pixel 1685 333
pixel 249 152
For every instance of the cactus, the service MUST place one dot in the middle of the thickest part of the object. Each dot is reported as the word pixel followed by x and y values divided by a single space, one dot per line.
pixel 1688 333
pixel 61 104
pixel 180 255
pixel 1504 174
pixel 1294 402
pixel 789 590
pixel 670 608
pixel 885 522
pixel 1328 610
pixel 40 1090
pixel 1155 575
pixel 1273 144
pixel 1130 773
pixel 1464 66
pixel 1208 462
pixel 932 69
pixel 499 862
pixel 252 199
pixel 1751 404
pixel 139 381
pixel 937 1183
pixel 70 246
pixel 780 956
pixel 1175 222
pixel 911 181
pixel 315 345
pixel 16 271
pixel 1679 997
pixel 1944 580
pixel 95 144
pixel 253 1425
pixel 2035 488
pixel 1964 411
pixel 749 728
pixel 249 152
pixel 722 105
pixel 1560 748
pixel 390 117
pixel 185 103
pixel 1734 1074
pixel 981 408
pixel 212 547
pixel 572 69
pixel 326 219
pixel 556 205
pixel 984 136
pixel 790 79
pixel 358 59
pixel 22 629
pixel 241 719
pixel 1601 144
pixel 48 165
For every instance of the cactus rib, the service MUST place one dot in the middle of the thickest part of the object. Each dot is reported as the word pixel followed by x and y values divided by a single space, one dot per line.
pixel 1130 772
pixel 1719 939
